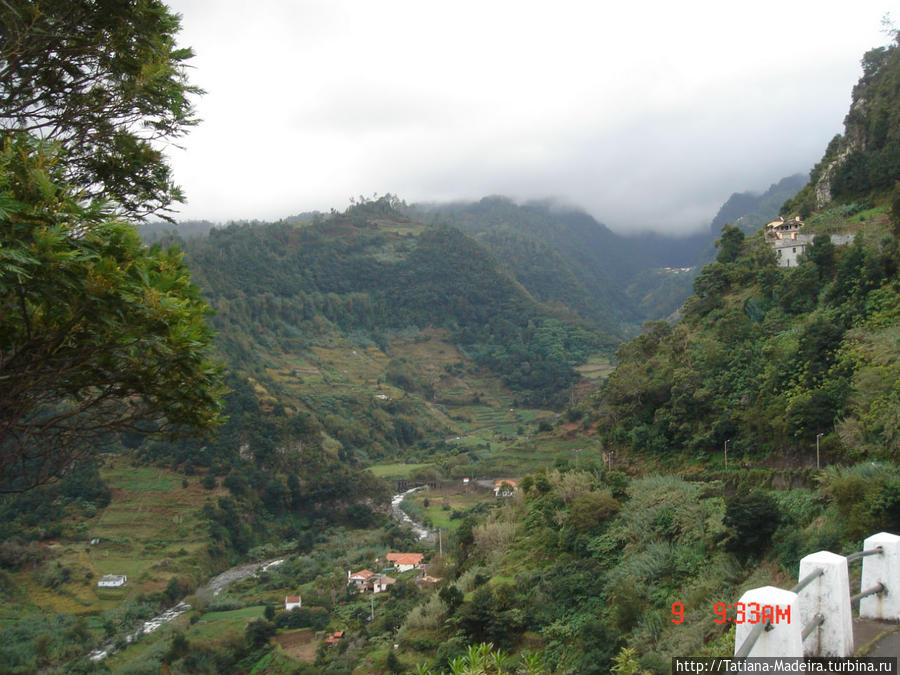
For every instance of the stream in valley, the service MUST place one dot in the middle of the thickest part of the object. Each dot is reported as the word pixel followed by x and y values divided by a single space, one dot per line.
pixel 219 582
pixel 400 515
pixel 212 588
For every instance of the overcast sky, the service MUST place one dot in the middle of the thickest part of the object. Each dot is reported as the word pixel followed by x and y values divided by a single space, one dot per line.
pixel 646 114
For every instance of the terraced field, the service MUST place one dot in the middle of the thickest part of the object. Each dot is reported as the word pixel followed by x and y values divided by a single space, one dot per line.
pixel 151 531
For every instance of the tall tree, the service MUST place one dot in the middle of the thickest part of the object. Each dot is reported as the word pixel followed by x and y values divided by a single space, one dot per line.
pixel 99 334
pixel 729 244
pixel 104 79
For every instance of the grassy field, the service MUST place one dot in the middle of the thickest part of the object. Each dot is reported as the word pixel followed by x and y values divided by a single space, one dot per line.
pixel 442 502
pixel 151 530
pixel 216 625
pixel 397 470
pixel 597 367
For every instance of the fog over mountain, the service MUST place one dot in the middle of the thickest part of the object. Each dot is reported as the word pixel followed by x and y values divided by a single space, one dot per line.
pixel 647 116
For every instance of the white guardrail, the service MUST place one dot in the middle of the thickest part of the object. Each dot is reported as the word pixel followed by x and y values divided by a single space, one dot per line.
pixel 815 617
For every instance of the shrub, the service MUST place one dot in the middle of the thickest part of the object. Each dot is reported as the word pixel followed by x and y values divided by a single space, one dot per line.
pixel 591 509
pixel 753 518
pixel 259 632
pixel 427 616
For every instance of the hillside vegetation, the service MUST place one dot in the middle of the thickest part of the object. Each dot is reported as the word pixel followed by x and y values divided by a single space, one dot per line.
pixel 865 159
pixel 442 346
pixel 380 327
pixel 770 358
pixel 564 257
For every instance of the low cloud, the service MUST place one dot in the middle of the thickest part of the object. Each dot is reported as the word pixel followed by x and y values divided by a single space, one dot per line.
pixel 647 117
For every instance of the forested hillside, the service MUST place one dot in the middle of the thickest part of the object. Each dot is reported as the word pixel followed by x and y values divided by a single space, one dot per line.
pixel 772 358
pixel 769 357
pixel 379 326
pixel 564 256
pixel 768 361
pixel 865 159
pixel 443 346
pixel 336 316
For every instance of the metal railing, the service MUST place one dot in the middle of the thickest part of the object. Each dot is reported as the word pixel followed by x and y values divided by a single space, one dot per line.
pixel 818 620
pixel 877 588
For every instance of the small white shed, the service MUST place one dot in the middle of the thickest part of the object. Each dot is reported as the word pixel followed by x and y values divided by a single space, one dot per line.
pixel 112 581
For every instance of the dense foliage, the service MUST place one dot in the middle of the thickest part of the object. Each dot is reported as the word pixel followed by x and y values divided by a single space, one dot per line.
pixel 287 286
pixel 865 160
pixel 585 569
pixel 105 81
pixel 283 484
pixel 564 257
pixel 99 334
pixel 769 358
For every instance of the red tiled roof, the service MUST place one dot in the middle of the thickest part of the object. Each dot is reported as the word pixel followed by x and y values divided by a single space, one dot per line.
pixel 511 483
pixel 405 558
pixel 365 574
pixel 292 598
pixel 334 637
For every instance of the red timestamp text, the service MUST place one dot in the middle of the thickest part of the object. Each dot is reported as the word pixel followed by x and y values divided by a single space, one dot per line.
pixel 740 612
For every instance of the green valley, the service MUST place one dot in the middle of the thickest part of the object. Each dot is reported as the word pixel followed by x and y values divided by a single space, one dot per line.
pixel 603 437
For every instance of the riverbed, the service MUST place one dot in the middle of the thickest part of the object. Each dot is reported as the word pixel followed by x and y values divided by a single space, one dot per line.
pixel 423 533
pixel 219 582
pixel 212 588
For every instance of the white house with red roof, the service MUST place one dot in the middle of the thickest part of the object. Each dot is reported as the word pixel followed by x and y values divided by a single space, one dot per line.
pixel 292 601
pixel 405 561
pixel 505 487
pixel 361 578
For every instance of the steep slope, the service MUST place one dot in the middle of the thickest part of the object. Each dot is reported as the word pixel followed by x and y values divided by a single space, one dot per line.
pixel 865 160
pixel 564 256
pixel 379 326
pixel 560 255
pixel 786 359
pixel 770 358
pixel 751 210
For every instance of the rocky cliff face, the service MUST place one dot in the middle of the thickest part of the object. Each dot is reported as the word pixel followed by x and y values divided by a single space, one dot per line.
pixel 822 187
pixel 861 125
pixel 866 157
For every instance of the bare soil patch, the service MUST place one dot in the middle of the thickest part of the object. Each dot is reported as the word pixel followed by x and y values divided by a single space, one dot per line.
pixel 298 644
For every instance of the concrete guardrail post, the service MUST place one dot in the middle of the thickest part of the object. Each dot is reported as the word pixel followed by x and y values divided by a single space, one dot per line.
pixel 828 596
pixel 778 605
pixel 884 569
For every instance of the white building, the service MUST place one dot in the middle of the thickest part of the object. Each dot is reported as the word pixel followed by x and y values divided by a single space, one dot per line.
pixel 505 487
pixel 789 251
pixel 404 562
pixel 112 581
pixel 382 582
pixel 785 239
pixel 291 601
